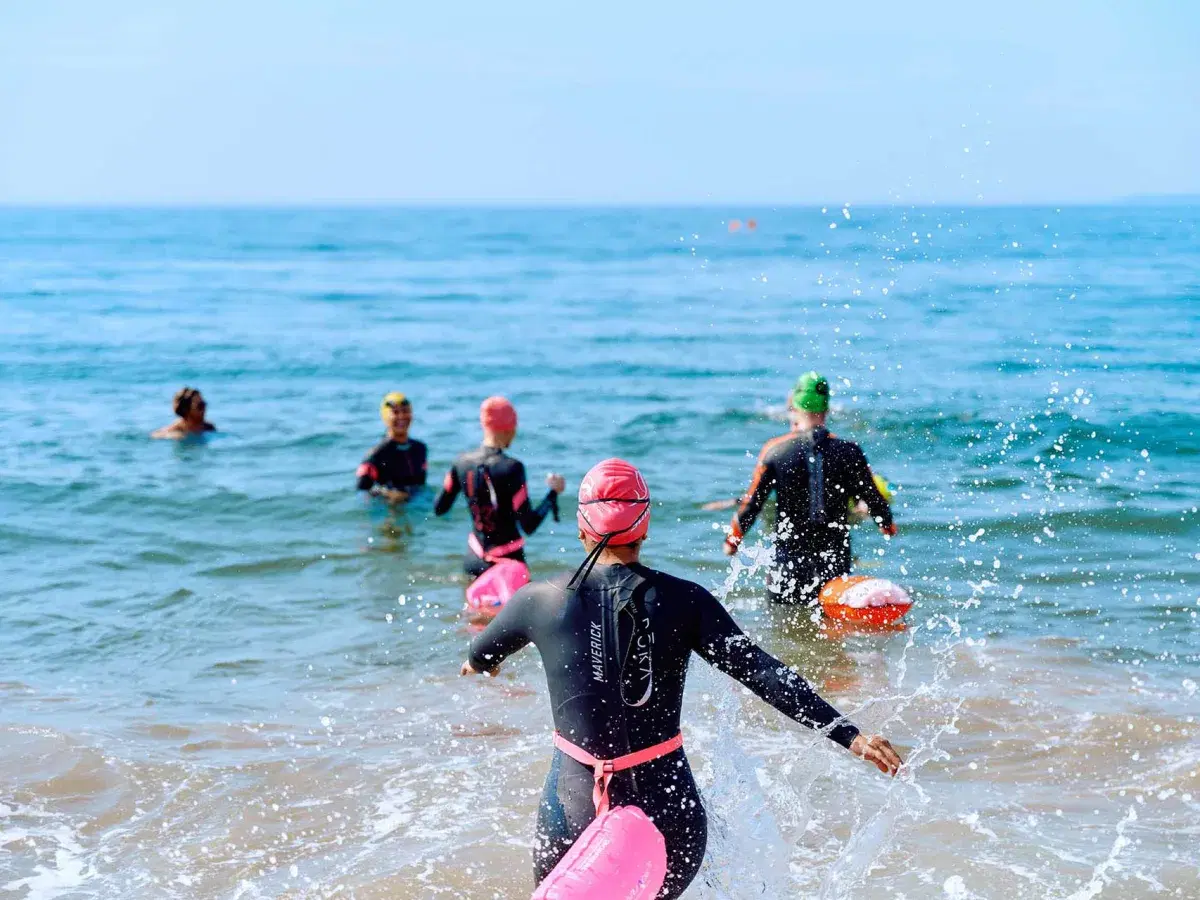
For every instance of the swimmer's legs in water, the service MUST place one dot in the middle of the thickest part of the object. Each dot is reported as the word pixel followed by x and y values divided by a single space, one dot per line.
pixel 798 576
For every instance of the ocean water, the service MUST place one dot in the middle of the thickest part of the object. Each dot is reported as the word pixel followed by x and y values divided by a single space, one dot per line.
pixel 223 674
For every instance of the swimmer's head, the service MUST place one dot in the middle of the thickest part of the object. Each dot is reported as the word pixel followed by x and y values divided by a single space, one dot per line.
pixel 614 503
pixel 396 412
pixel 811 393
pixel 499 420
pixel 190 404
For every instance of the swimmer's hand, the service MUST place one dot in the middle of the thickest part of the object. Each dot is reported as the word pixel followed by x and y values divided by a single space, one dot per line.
pixel 468 669
pixel 556 482
pixel 392 495
pixel 730 547
pixel 876 750
pixel 719 504
pixel 890 530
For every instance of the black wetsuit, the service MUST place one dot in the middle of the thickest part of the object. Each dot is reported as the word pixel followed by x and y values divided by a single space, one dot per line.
pixel 394 465
pixel 498 499
pixel 616 653
pixel 815 477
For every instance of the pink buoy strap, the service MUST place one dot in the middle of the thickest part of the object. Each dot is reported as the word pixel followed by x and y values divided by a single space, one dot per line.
pixel 496 553
pixel 603 769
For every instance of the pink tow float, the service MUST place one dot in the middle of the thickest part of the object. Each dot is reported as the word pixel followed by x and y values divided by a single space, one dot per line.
pixel 863 599
pixel 620 856
pixel 489 592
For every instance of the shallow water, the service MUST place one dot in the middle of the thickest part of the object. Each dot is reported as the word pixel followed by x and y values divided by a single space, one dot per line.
pixel 224 675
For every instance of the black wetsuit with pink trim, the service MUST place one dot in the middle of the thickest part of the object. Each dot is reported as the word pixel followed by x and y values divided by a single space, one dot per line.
pixel 815 476
pixel 498 499
pixel 394 465
pixel 616 655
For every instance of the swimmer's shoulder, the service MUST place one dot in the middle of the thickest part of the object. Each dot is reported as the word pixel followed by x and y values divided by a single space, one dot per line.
pixel 843 448
pixel 778 446
pixel 673 586
pixel 375 452
pixel 552 589
pixel 542 601
pixel 172 432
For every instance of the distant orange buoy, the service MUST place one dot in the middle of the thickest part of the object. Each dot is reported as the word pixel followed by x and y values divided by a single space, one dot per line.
pixel 861 598
pixel 751 224
pixel 735 224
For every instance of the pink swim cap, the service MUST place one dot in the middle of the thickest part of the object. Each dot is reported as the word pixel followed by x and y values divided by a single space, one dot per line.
pixel 497 414
pixel 614 500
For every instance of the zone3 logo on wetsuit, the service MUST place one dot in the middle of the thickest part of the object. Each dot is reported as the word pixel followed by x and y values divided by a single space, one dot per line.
pixel 498 498
pixel 394 465
pixel 815 476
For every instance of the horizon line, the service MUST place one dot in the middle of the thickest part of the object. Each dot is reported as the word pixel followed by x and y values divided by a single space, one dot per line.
pixel 1180 199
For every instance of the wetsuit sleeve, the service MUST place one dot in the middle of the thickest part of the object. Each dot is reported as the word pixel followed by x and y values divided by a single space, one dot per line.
pixel 528 515
pixel 762 482
pixel 368 471
pixel 450 489
pixel 720 642
pixel 505 634
pixel 422 475
pixel 864 488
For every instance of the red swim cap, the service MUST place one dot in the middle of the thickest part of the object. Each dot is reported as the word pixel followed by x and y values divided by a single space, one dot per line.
pixel 497 414
pixel 614 500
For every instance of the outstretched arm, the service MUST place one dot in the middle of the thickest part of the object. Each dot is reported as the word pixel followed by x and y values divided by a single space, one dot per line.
pixel 762 482
pixel 528 515
pixel 865 489
pixel 445 497
pixel 722 644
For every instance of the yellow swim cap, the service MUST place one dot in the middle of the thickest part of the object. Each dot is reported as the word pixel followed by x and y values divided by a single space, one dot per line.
pixel 395 398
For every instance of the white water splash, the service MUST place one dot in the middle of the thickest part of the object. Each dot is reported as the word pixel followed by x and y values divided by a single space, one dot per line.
pixel 1100 874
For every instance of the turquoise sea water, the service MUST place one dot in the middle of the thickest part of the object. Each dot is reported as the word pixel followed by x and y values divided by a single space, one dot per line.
pixel 186 613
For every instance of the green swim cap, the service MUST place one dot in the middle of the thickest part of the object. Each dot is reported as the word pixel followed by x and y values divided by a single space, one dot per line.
pixel 811 393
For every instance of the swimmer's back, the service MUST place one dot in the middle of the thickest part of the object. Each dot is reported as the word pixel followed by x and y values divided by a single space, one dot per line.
pixel 616 652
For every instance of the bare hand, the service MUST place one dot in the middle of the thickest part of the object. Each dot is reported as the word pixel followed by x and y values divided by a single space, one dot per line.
pixel 729 548
pixel 557 483
pixel 876 749
pixel 890 530
pixel 394 496
pixel 467 669
pixel 719 504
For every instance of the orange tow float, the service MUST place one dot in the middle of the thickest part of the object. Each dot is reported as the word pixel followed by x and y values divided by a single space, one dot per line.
pixel 864 599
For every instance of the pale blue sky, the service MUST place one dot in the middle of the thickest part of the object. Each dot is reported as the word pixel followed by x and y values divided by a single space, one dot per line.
pixel 256 101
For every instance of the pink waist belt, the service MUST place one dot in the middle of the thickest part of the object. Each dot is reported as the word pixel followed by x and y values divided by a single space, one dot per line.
pixel 496 552
pixel 603 769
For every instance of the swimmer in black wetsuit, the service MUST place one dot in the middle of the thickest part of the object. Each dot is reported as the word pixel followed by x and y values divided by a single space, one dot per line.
pixel 815 477
pixel 497 494
pixel 397 466
pixel 615 642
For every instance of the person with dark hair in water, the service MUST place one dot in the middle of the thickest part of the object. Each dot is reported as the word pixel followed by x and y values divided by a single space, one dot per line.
pixel 397 465
pixel 190 407
pixel 497 495
pixel 817 478
pixel 615 640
